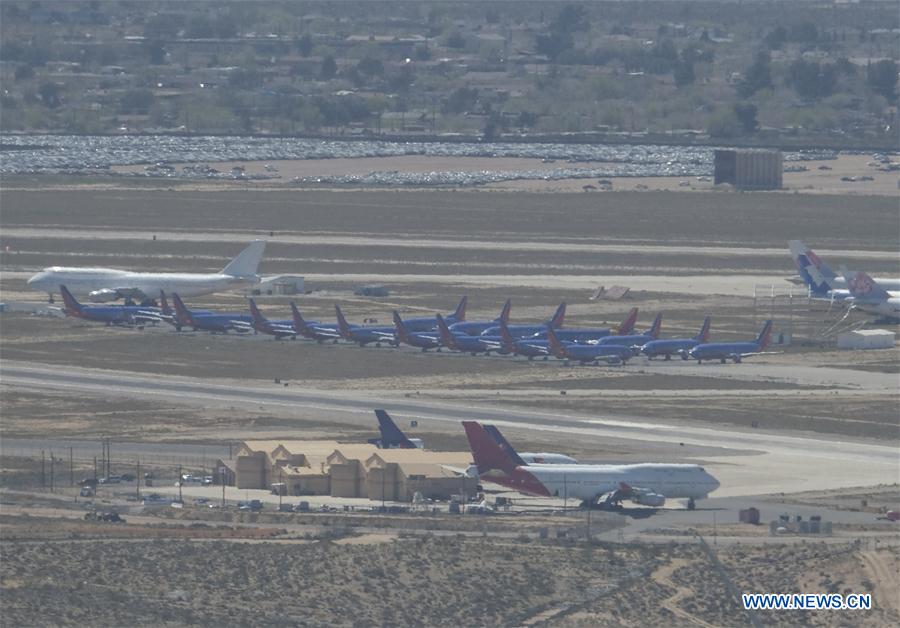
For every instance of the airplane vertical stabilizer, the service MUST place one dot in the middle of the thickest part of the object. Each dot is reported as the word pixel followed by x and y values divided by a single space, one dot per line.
pixel 247 261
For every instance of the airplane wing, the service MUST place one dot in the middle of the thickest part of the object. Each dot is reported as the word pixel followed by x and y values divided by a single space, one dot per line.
pixel 325 332
pixel 113 294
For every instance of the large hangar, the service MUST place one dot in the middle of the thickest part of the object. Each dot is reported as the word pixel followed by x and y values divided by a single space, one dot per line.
pixel 748 169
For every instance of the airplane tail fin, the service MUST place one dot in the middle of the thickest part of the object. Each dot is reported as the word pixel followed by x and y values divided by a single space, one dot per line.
pixel 459 314
pixel 164 304
pixel 72 306
pixel 765 336
pixel 487 454
pixel 703 336
pixel 815 273
pixel 391 435
pixel 559 317
pixel 509 343
pixel 654 328
pixel 556 347
pixel 446 336
pixel 627 325
pixel 399 327
pixel 182 313
pixel 495 434
pixel 259 320
pixel 343 325
pixel 299 323
pixel 247 261
pixel 504 313
pixel 862 286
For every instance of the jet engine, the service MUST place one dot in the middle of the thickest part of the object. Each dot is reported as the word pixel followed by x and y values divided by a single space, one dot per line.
pixel 654 500
pixel 104 295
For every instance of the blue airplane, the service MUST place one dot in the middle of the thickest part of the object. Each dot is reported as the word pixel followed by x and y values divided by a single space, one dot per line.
pixel 531 347
pixel 392 437
pixel 314 330
pixel 279 329
pixel 635 340
pixel 429 323
pixel 525 331
pixel 592 334
pixel 575 352
pixel 212 322
pixel 422 340
pixel 677 346
pixel 362 335
pixel 463 342
pixel 733 351
pixel 129 315
pixel 474 328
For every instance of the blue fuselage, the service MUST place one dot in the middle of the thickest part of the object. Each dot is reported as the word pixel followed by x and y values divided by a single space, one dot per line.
pixel 722 350
pixel 669 347
pixel 576 335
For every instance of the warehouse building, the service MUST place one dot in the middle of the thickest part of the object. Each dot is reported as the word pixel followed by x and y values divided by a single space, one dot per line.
pixel 749 169
pixel 327 467
pixel 866 339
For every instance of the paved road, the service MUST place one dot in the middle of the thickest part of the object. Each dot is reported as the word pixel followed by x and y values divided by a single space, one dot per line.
pixel 751 463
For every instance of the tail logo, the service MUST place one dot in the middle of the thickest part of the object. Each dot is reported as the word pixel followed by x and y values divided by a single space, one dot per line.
pixel 861 284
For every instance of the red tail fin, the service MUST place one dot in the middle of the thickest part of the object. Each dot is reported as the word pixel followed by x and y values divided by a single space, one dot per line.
pixel 259 321
pixel 509 343
pixel 504 313
pixel 163 304
pixel 627 325
pixel 654 328
pixel 182 314
pixel 446 336
pixel 343 325
pixel 399 327
pixel 299 323
pixel 460 313
pixel 703 336
pixel 559 316
pixel 72 306
pixel 486 452
pixel 765 336
pixel 556 347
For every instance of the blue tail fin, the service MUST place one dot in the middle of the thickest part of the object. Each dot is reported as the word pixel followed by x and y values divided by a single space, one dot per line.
pixel 765 336
pixel 815 273
pixel 653 332
pixel 391 435
pixel 703 336
pixel 504 313
pixel 559 317
pixel 460 313
pixel 498 438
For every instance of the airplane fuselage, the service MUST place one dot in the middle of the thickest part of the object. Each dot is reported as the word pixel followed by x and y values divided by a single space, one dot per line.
pixel 576 335
pixel 669 347
pixel 723 350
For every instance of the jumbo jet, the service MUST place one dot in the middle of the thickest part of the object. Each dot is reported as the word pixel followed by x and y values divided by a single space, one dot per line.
pixel 392 437
pixel 525 331
pixel 733 351
pixel 648 484
pixel 129 315
pixel 677 346
pixel 869 295
pixel 362 334
pixel 821 280
pixel 108 284
pixel 576 352
pixel 474 328
pixel 213 322
pixel 526 458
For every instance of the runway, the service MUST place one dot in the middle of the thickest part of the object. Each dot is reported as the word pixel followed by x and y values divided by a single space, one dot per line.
pixel 751 463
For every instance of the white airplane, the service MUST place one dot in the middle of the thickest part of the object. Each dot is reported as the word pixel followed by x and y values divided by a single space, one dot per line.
pixel 648 484
pixel 869 295
pixel 108 284
pixel 821 280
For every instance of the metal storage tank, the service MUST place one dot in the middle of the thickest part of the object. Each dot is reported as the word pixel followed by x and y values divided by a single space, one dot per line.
pixel 748 169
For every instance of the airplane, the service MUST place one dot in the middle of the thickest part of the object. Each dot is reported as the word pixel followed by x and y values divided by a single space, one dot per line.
pixel 462 341
pixel 392 437
pixel 526 458
pixel 821 280
pixel 733 351
pixel 593 334
pixel 130 315
pixel 524 331
pixel 869 295
pixel 573 351
pixel 429 323
pixel 531 347
pixel 212 322
pixel 419 339
pixel 108 284
pixel 320 332
pixel 647 484
pixel 362 335
pixel 678 346
pixel 474 328
pixel 635 340
pixel 279 329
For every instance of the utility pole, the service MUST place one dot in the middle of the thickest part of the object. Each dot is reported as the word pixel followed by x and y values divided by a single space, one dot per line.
pixel 108 457
pixel 565 494
pixel 43 473
pixel 180 482
pixel 137 482
pixel 52 469
pixel 71 467
pixel 95 467
pixel 222 480
pixel 280 485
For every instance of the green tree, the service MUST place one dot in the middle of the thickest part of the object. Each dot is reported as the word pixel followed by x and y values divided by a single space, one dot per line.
pixel 812 80
pixel 882 78
pixel 329 68
pixel 746 116
pixel 370 67
pixel 136 101
pixel 51 94
pixel 723 124
pixel 305 45
pixel 758 76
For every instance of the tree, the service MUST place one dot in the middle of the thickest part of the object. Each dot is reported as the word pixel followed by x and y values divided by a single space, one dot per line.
pixel 554 44
pixel 24 72
pixel 155 51
pixel 570 19
pixel 723 123
pixel 456 40
pixel 50 94
pixel 328 69
pixel 746 116
pixel 684 74
pixel 370 66
pixel 758 76
pixel 882 78
pixel 811 80
pixel 305 45
pixel 136 101
pixel 461 99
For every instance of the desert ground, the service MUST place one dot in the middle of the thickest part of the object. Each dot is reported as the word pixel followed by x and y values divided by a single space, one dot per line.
pixel 804 426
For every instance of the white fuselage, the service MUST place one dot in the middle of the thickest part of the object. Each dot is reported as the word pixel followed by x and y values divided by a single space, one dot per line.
pixel 546 458
pixel 83 281
pixel 591 481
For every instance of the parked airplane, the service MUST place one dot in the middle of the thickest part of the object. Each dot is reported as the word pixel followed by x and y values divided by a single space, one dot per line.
pixel 525 331
pixel 869 295
pixel 464 342
pixel 648 484
pixel 314 330
pixel 573 351
pixel 821 280
pixel 733 351
pixel 526 458
pixel 108 284
pixel 635 340
pixel 474 328
pixel 593 334
pixel 429 323
pixel 677 346
pixel 110 314
pixel 280 329
pixel 363 335
pixel 424 341
pixel 392 437
pixel 212 322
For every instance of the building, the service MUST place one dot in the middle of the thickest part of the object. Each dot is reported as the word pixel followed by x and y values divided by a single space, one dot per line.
pixel 327 467
pixel 749 169
pixel 866 339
